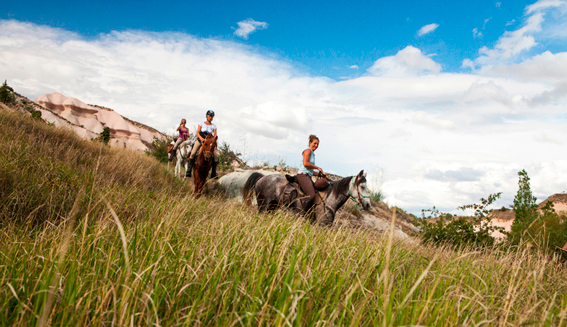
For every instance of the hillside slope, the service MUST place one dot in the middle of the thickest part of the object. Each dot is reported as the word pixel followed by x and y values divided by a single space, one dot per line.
pixel 88 121
pixel 93 235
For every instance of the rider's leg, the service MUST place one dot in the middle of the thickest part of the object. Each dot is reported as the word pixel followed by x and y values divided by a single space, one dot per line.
pixel 194 151
pixel 306 184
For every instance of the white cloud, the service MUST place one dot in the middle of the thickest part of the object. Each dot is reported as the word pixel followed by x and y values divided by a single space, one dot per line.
pixel 476 33
pixel 246 27
pixel 429 28
pixel 513 43
pixel 443 139
pixel 353 67
pixel 409 61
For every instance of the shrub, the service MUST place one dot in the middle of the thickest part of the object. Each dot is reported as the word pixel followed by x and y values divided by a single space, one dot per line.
pixel 376 197
pixel 159 149
pixel 6 93
pixel 36 114
pixel 475 231
pixel 104 136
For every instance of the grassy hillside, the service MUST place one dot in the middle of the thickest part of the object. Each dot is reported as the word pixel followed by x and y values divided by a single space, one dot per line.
pixel 96 236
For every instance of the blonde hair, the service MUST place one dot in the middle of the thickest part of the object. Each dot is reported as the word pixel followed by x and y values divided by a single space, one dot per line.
pixel 313 138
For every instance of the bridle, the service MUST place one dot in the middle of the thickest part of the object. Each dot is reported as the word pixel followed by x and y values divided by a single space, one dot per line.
pixel 207 154
pixel 359 198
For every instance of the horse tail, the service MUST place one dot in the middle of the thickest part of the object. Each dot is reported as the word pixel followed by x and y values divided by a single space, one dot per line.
pixel 248 188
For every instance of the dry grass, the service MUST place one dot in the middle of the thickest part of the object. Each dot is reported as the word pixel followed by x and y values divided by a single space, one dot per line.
pixel 123 243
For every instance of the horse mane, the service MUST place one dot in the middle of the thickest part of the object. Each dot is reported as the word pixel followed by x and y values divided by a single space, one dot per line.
pixel 340 185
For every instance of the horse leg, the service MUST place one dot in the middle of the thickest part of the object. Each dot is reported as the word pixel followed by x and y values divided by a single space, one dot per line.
pixel 261 201
pixel 323 216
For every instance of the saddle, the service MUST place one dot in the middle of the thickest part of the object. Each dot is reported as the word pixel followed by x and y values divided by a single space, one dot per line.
pixel 320 185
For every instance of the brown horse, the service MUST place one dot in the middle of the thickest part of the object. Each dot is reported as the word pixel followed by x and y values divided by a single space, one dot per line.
pixel 204 162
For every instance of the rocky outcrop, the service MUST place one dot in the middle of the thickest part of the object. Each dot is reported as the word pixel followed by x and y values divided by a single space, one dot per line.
pixel 89 121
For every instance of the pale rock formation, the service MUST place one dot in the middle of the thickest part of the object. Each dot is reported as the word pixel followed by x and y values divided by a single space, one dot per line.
pixel 89 121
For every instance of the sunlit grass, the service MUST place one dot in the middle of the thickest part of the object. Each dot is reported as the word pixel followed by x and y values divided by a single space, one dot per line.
pixel 129 247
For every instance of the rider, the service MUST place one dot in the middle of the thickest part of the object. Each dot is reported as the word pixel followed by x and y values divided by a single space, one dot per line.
pixel 205 128
pixel 306 170
pixel 183 136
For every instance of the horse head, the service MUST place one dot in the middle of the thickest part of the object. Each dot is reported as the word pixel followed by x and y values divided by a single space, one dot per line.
pixel 358 190
pixel 208 148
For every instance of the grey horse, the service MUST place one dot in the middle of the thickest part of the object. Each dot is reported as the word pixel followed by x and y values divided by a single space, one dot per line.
pixel 274 191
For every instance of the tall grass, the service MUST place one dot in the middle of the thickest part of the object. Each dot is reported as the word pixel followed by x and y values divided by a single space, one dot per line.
pixel 178 260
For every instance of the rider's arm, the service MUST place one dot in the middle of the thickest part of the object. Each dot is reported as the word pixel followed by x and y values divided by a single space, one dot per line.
pixel 307 164
pixel 215 132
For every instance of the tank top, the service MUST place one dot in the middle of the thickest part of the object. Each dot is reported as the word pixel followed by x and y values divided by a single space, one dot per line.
pixel 184 133
pixel 303 170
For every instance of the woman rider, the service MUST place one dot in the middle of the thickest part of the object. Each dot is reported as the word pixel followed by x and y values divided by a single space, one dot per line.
pixel 183 136
pixel 205 128
pixel 306 170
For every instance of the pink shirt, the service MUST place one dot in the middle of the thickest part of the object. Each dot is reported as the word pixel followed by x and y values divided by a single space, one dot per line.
pixel 184 133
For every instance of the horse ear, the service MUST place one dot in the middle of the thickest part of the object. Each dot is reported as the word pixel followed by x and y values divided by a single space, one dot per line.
pixel 361 174
pixel 216 137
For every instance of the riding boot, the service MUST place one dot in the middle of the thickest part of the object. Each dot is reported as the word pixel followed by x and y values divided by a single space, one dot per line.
pixel 188 172
pixel 214 170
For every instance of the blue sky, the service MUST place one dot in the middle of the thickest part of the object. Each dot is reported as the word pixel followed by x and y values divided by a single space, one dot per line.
pixel 442 102
pixel 320 37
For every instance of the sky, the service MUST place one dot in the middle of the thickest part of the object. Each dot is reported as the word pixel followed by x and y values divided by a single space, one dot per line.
pixel 440 102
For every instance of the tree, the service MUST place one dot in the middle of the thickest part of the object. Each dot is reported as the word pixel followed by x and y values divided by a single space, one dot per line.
pixel 227 156
pixel 6 93
pixel 525 209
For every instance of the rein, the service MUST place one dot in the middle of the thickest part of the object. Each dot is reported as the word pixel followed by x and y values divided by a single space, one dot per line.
pixel 359 200
pixel 204 154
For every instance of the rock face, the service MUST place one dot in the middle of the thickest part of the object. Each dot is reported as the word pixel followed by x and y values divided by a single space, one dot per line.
pixel 89 121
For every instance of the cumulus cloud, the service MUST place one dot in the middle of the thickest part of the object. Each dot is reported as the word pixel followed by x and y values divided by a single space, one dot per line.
pixel 409 61
pixel 444 139
pixel 246 27
pixel 429 28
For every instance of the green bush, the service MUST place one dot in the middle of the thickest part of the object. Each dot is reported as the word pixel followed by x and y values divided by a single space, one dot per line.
pixel 6 93
pixel 474 231
pixel 104 136
pixel 159 149
pixel 376 197
pixel 36 114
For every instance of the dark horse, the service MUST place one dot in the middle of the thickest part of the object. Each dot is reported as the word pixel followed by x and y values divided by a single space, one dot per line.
pixel 274 191
pixel 204 162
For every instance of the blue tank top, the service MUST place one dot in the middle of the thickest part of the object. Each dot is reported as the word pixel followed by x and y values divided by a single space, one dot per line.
pixel 304 170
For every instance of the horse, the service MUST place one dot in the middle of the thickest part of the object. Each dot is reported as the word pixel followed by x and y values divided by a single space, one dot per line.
pixel 275 191
pixel 168 151
pixel 182 157
pixel 204 162
pixel 233 184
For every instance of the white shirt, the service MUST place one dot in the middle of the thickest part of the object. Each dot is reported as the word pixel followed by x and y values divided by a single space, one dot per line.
pixel 208 129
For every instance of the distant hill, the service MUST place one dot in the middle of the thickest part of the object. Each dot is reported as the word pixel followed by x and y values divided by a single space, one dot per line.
pixel 88 121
